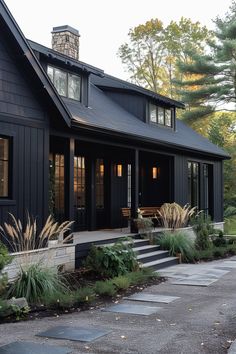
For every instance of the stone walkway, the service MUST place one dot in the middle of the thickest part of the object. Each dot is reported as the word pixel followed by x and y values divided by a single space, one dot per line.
pixel 193 312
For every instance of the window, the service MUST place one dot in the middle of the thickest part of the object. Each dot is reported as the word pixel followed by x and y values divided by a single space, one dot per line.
pixel 160 115
pixel 161 118
pixel 193 184
pixel 67 85
pixel 99 184
pixel 4 167
pixel 153 113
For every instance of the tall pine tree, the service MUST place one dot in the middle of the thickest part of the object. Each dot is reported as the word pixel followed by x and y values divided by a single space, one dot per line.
pixel 215 85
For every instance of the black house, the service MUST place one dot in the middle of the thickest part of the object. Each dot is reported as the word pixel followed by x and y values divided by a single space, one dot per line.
pixel 81 144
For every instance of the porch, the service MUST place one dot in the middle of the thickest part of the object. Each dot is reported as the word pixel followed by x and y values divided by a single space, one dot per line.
pixel 90 182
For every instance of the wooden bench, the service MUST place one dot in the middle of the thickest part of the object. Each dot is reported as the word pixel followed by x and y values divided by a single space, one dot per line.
pixel 147 212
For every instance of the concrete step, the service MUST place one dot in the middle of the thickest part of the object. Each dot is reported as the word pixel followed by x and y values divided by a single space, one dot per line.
pixel 161 263
pixel 146 249
pixel 152 256
pixel 134 242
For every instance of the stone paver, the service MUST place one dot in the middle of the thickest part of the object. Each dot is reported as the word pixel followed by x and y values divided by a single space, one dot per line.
pixel 74 333
pixel 32 348
pixel 201 321
pixel 143 296
pixel 133 309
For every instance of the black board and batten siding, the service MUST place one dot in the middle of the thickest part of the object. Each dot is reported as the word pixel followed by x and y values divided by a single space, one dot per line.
pixel 24 121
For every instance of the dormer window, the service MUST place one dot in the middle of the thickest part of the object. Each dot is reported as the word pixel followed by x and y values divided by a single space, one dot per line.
pixel 67 84
pixel 160 115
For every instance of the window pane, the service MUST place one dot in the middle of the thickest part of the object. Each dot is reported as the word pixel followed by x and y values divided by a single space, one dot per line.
pixel 160 115
pixel 168 117
pixel 50 72
pixel 4 167
pixel 60 81
pixel 74 87
pixel 153 113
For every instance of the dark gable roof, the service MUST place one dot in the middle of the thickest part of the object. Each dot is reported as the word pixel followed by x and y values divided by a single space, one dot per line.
pixel 112 82
pixel 107 116
pixel 48 52
pixel 30 58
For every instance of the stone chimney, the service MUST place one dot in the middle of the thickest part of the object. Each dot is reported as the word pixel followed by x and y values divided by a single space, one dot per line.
pixel 65 40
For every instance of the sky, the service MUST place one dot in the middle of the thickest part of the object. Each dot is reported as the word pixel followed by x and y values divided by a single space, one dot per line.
pixel 104 24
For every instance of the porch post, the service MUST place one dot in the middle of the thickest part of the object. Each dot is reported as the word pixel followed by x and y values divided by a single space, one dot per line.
pixel 134 188
pixel 71 213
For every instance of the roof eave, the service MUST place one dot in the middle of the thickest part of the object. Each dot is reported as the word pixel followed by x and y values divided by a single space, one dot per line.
pixel 76 124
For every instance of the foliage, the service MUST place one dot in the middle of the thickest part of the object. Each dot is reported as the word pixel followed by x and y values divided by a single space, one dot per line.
pixel 219 240
pixel 121 282
pixel 173 216
pixel 215 252
pixel 178 242
pixel 144 225
pixel 141 276
pixel 229 211
pixel 5 259
pixel 29 238
pixel 110 261
pixel 85 294
pixel 230 226
pixel 17 312
pixel 105 288
pixel 153 51
pixel 35 283
pixel 58 300
pixel 202 226
pixel 215 84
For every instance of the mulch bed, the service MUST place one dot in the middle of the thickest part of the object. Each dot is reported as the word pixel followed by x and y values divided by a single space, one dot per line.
pixel 82 278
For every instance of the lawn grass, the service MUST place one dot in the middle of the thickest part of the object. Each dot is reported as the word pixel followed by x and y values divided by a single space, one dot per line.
pixel 230 226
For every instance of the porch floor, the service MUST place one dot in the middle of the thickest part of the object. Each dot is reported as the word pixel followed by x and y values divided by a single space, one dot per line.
pixel 106 234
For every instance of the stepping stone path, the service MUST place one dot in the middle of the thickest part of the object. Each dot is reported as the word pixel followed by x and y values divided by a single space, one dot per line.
pixel 133 309
pixel 74 333
pixel 152 298
pixel 32 348
pixel 181 275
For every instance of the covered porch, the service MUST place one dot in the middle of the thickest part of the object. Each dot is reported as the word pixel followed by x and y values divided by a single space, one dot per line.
pixel 91 181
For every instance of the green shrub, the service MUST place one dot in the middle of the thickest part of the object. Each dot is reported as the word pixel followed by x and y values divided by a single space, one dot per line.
pixel 178 242
pixel 203 228
pixel 17 312
pixel 35 283
pixel 202 241
pixel 204 255
pixel 219 252
pixel 111 261
pixel 219 240
pixel 141 276
pixel 122 282
pixel 85 294
pixel 5 259
pixel 58 300
pixel 105 288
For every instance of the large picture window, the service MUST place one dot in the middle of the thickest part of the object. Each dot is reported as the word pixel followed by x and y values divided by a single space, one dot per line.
pixel 67 85
pixel 193 184
pixel 4 167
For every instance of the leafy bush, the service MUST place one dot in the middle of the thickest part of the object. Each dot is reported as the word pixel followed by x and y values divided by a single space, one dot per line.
pixel 59 300
pixel 105 288
pixel 5 259
pixel 203 228
pixel 141 276
pixel 85 294
pixel 122 282
pixel 219 252
pixel 229 211
pixel 219 240
pixel 144 225
pixel 12 310
pixel 173 216
pixel 111 261
pixel 178 242
pixel 204 255
pixel 35 283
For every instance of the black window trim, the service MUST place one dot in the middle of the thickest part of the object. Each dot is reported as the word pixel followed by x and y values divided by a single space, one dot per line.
pixel 157 122
pixel 67 80
pixel 10 167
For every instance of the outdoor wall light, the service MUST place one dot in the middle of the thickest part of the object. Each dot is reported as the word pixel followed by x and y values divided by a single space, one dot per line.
pixel 101 170
pixel 119 170
pixel 155 172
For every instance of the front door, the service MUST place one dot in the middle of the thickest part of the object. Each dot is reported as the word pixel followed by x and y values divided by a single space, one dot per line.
pixel 80 193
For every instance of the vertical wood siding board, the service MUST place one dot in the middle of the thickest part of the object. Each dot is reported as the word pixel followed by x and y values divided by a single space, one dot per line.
pixel 45 173
pixel 34 170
